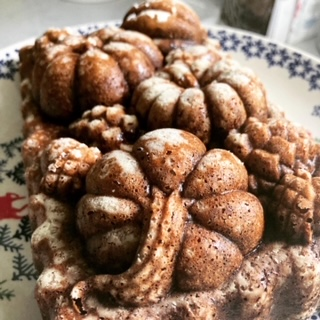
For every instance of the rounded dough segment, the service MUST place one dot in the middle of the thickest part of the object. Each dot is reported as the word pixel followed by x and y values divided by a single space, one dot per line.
pixel 167 156
pixel 237 215
pixel 57 87
pixel 217 172
pixel 118 174
pixel 207 259
pixel 101 81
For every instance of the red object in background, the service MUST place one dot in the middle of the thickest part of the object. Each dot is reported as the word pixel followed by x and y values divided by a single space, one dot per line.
pixel 7 209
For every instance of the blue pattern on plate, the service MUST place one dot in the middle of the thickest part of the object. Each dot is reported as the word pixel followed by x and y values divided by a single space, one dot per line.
pixel 276 56
pixel 8 67
pixel 252 47
pixel 316 111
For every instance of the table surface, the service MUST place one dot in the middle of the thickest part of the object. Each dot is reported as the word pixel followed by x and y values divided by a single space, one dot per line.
pixel 24 19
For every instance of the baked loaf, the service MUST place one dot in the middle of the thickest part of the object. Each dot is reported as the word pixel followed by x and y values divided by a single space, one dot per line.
pixel 108 128
pixel 164 192
pixel 170 23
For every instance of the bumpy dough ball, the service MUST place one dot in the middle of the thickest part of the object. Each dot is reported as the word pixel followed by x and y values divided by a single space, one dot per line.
pixel 64 164
pixel 107 128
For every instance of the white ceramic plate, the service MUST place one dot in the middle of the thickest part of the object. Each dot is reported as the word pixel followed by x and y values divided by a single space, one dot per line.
pixel 292 80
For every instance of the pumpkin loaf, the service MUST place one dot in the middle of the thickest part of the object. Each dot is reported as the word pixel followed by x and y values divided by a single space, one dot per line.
pixel 163 182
